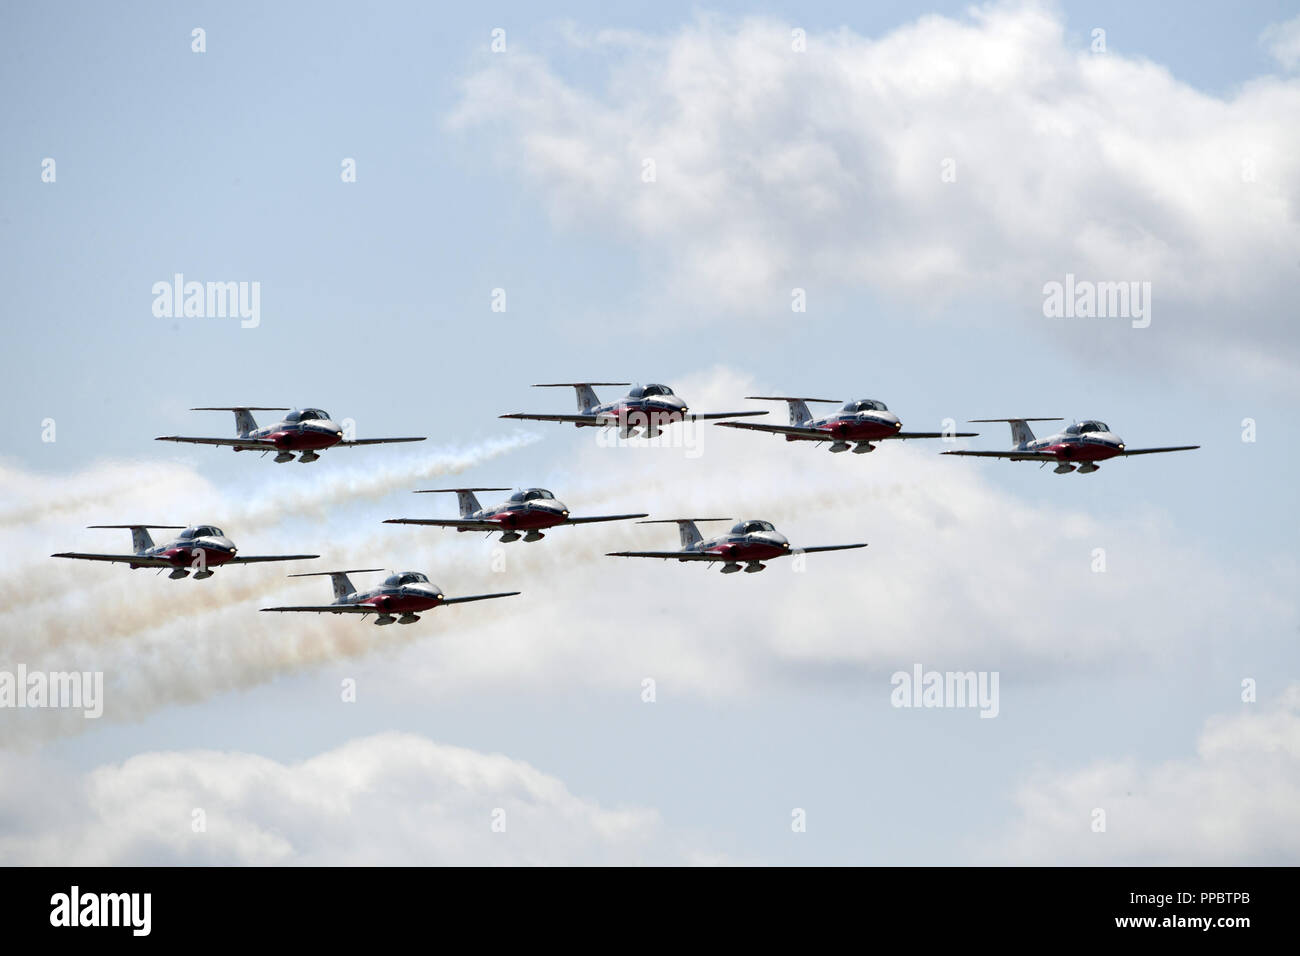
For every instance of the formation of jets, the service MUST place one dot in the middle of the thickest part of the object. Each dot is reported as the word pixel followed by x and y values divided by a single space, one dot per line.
pixel 529 512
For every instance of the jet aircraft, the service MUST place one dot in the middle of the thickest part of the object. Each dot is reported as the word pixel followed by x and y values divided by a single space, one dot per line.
pixel 528 511
pixel 859 422
pixel 307 431
pixel 198 548
pixel 1084 443
pixel 752 542
pixel 645 409
pixel 402 597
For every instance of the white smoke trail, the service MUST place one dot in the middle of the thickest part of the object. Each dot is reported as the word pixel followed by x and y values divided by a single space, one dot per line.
pixel 32 498
pixel 315 499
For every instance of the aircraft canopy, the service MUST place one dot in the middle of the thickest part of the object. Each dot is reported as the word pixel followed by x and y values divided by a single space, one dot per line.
pixel 649 391
pixel 1084 427
pixel 406 577
pixel 203 531
pixel 532 494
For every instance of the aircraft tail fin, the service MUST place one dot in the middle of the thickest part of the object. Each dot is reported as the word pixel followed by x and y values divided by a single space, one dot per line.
pixel 342 586
pixel 465 497
pixel 799 414
pixel 1021 433
pixel 140 539
pixel 587 399
pixel 244 421
pixel 685 527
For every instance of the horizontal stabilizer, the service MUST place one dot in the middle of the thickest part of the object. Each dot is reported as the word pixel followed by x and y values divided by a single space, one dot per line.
pixel 438 491
pixel 319 574
pixel 577 384
pixel 975 420
pixel 679 520
pixel 791 398
pixel 240 408
pixel 129 526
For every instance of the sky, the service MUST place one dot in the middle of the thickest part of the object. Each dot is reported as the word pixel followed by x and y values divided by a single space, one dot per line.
pixel 649 190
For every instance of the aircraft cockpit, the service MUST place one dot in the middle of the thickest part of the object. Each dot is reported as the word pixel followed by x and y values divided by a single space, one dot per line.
pixel 650 391
pixel 406 577
pixel 864 405
pixel 1082 428
pixel 532 494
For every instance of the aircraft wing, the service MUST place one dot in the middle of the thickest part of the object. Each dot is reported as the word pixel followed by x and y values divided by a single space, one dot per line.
pixel 797 431
pixel 233 442
pixel 602 518
pixel 709 416
pixel 373 441
pixel 259 558
pixel 139 560
pixel 576 419
pixel 826 547
pixel 478 597
pixel 473 524
pixel 906 435
pixel 330 608
pixel 679 555
pixel 1154 451
pixel 1013 455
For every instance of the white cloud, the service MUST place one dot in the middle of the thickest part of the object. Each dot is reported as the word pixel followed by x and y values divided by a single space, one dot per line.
pixel 1283 42
pixel 1236 802
pixel 392 799
pixel 821 170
